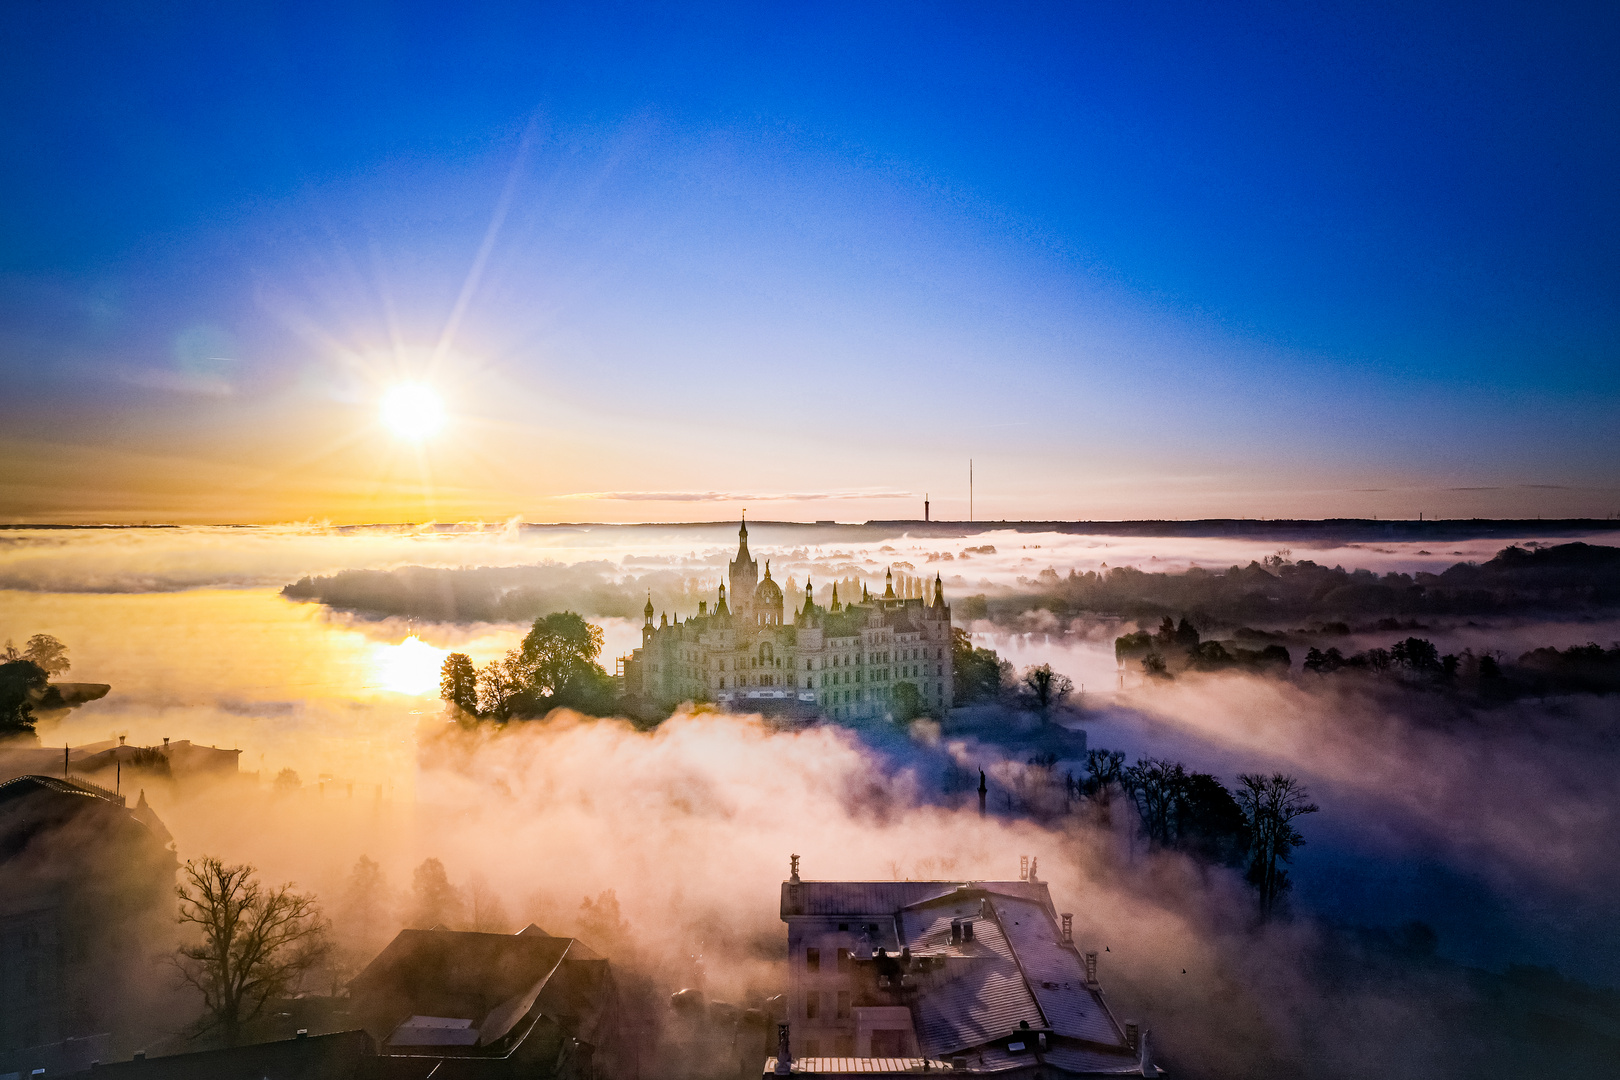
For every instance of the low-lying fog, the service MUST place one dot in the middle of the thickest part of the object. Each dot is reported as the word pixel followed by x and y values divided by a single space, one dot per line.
pixel 1501 837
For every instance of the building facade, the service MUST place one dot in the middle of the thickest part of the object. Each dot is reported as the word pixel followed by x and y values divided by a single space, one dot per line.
pixel 856 660
pixel 900 977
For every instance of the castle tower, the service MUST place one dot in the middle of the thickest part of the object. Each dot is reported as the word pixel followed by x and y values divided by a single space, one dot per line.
pixel 744 574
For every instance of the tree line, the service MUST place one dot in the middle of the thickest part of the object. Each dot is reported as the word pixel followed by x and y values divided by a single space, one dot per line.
pixel 1194 813
pixel 1564 577
pixel 25 676
pixel 554 667
pixel 983 677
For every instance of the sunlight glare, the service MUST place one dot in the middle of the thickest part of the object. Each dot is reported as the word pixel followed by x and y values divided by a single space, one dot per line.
pixel 412 411
pixel 411 667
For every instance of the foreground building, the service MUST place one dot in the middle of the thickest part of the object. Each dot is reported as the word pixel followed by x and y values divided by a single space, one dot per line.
pixel 977 977
pixel 86 893
pixel 444 1004
pixel 860 659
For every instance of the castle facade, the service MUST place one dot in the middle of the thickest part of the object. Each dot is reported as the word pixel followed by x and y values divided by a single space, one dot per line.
pixel 859 660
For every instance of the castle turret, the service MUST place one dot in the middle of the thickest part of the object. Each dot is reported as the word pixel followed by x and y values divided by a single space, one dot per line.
pixel 888 584
pixel 720 608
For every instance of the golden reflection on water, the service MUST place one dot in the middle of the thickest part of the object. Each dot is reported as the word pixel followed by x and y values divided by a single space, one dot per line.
pixel 290 684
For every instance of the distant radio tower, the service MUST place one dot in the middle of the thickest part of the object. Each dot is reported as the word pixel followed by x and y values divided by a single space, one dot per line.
pixel 925 506
pixel 970 489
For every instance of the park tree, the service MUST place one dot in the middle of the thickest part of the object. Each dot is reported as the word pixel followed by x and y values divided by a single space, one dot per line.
pixel 256 941
pixel 1415 654
pixel 1270 805
pixel 499 683
pixel 21 683
pixel 558 649
pixel 485 912
pixel 44 650
pixel 908 702
pixel 1155 785
pixel 458 683
pixel 434 901
pixel 363 912
pixel 1046 687
pixel 979 674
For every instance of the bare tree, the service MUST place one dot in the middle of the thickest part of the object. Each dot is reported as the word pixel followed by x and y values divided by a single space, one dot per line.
pixel 1046 687
pixel 1105 772
pixel 1156 785
pixel 257 941
pixel 1270 805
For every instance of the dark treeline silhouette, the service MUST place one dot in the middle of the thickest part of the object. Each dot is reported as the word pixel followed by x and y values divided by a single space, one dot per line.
pixel 1588 668
pixel 25 682
pixel 1178 647
pixel 983 678
pixel 1541 579
pixel 1194 813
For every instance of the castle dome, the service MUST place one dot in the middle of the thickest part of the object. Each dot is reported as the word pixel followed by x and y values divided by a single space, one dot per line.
pixel 769 593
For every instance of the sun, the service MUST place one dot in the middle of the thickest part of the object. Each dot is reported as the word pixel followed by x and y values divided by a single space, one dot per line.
pixel 412 411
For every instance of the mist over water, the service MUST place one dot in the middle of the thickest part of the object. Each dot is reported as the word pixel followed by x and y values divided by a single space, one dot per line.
pixel 1498 832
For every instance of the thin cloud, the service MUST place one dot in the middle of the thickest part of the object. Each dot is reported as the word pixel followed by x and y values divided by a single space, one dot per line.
pixel 734 496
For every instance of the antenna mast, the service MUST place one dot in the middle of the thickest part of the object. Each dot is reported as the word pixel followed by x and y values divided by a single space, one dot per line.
pixel 970 489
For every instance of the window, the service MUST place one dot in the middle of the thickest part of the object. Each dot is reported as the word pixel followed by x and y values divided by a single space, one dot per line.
pixel 812 1006
pixel 844 955
pixel 812 959
pixel 843 1004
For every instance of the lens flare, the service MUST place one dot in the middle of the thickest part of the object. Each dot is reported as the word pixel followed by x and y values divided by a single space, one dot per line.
pixel 412 411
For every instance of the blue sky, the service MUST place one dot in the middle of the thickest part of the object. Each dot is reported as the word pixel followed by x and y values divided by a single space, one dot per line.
pixel 1164 261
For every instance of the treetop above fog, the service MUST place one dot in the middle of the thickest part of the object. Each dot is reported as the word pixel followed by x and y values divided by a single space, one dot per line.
pixel 1564 577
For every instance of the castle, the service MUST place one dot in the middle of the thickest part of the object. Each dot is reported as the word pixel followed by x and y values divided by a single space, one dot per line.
pixel 857 660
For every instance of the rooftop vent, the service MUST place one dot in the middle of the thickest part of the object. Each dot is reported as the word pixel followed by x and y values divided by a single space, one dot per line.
pixel 1133 1034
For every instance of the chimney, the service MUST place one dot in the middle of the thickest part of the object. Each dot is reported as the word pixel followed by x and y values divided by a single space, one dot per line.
pixel 165 744
pixel 1023 861
pixel 121 739
pixel 703 607
pixel 1091 970
pixel 140 1055
pixel 1144 1056
pixel 956 931
pixel 1068 927
pixel 303 1033
pixel 1133 1034
pixel 967 931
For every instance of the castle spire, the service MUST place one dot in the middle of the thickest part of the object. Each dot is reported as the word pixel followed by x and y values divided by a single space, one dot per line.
pixel 888 584
pixel 939 591
pixel 836 606
pixel 648 610
pixel 809 596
